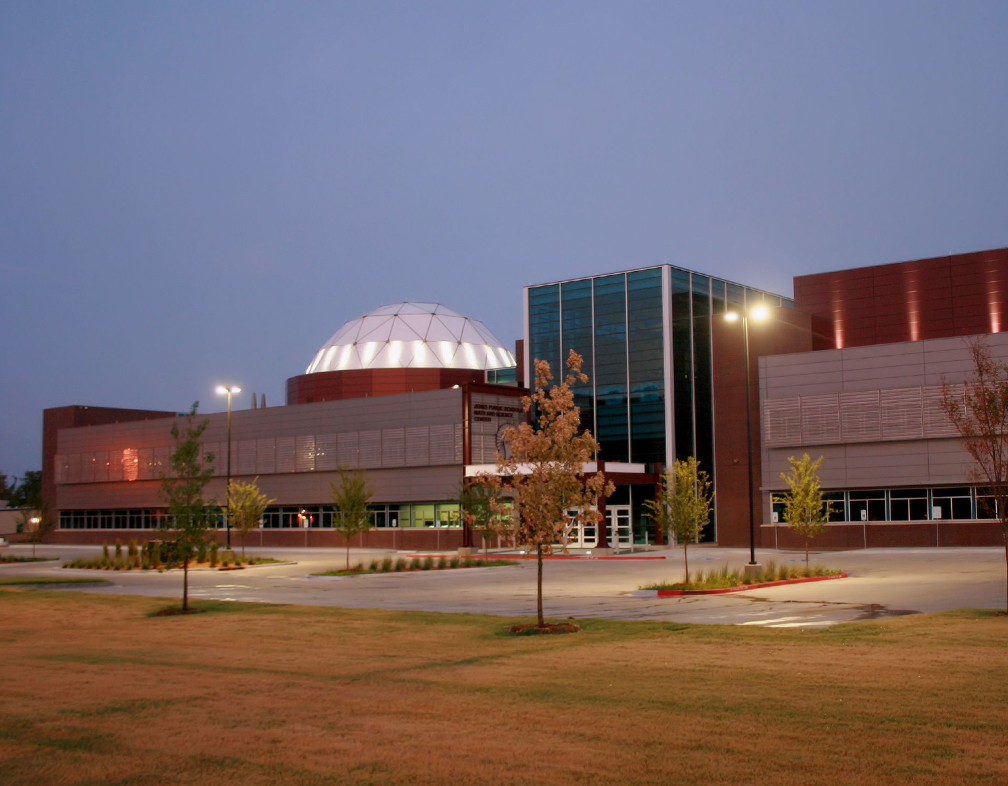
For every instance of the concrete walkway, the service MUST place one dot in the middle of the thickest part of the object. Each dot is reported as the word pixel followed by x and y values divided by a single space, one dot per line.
pixel 882 582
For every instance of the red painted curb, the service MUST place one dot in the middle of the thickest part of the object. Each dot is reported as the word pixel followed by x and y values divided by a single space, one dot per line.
pixel 743 587
pixel 545 556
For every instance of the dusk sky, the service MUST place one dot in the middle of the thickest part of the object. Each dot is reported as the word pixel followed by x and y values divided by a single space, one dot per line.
pixel 196 193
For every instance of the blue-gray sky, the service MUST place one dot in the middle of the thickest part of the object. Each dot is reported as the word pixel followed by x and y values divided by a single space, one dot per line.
pixel 202 192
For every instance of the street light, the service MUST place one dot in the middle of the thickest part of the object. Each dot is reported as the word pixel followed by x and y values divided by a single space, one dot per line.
pixel 759 313
pixel 229 390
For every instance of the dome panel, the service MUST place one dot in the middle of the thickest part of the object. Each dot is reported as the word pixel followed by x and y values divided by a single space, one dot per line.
pixel 414 335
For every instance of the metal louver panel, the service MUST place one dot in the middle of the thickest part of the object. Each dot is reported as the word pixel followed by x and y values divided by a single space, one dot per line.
pixel 326 455
pixel 304 453
pixel 87 468
pixel 417 446
pixel 285 454
pixel 442 444
pixel 393 447
pixel 936 422
pixel 370 450
pixel 860 416
pixel 246 457
pixel 115 467
pixel 901 413
pixel 782 422
pixel 348 449
pixel 162 461
pixel 146 464
pixel 73 468
pixel 820 419
pixel 266 456
pixel 101 469
pixel 60 467
pixel 458 444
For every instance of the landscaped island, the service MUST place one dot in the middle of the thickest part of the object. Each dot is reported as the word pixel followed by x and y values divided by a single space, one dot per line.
pixel 726 578
pixel 162 555
pixel 401 565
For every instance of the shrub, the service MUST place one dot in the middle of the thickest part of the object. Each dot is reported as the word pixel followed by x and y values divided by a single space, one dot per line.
pixel 105 550
pixel 468 562
pixel 427 564
pixel 201 551
pixel 414 564
pixel 118 550
pixel 386 565
pixel 214 548
pixel 155 553
pixel 453 562
pixel 400 565
pixel 442 563
pixel 132 549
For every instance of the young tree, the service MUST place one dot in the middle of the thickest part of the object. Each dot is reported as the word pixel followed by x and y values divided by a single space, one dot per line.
pixel 682 505
pixel 545 468
pixel 182 488
pixel 805 510
pixel 479 501
pixel 350 499
pixel 979 411
pixel 247 506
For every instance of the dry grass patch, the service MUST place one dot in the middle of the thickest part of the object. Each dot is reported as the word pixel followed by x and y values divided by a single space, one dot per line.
pixel 99 692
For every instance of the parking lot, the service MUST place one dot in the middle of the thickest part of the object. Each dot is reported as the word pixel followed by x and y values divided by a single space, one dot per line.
pixel 881 582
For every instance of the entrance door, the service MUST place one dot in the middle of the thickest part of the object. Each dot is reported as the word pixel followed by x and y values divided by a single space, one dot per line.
pixel 580 535
pixel 618 526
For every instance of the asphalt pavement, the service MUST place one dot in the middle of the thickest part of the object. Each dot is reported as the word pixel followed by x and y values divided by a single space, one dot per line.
pixel 881 582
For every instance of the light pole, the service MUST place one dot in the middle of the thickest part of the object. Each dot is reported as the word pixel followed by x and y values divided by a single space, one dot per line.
pixel 759 313
pixel 229 390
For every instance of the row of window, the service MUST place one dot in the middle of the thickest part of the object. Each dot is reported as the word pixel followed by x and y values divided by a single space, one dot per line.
pixel 959 503
pixel 427 514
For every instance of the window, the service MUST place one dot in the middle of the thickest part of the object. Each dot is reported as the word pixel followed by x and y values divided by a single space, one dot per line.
pixel 951 503
pixel 423 515
pixel 868 505
pixel 448 514
pixel 908 505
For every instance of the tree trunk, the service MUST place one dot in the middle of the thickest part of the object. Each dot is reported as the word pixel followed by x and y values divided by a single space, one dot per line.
pixel 539 612
pixel 484 546
pixel 685 556
pixel 185 583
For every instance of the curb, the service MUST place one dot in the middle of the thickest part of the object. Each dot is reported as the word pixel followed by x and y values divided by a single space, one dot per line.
pixel 642 593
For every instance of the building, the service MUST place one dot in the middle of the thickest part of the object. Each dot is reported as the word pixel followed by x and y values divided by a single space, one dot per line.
pixel 869 403
pixel 417 394
pixel 400 392
pixel 652 350
pixel 850 369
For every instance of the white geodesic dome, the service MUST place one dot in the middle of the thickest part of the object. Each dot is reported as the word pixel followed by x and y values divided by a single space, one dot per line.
pixel 412 335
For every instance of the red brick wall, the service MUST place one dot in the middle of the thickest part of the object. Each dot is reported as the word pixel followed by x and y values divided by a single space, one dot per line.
pixel 72 417
pixel 956 295
pixel 785 331
pixel 361 383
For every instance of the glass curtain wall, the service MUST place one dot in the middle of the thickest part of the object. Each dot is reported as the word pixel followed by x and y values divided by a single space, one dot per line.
pixel 617 323
pixel 611 395
pixel 577 334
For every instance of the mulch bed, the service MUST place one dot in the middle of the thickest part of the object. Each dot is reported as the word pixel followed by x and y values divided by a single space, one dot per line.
pixel 549 627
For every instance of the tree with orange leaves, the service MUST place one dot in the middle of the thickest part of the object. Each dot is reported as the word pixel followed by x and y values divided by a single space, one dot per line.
pixel 546 467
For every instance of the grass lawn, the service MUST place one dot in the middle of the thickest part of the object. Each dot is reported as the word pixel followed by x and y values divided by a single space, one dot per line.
pixel 96 691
